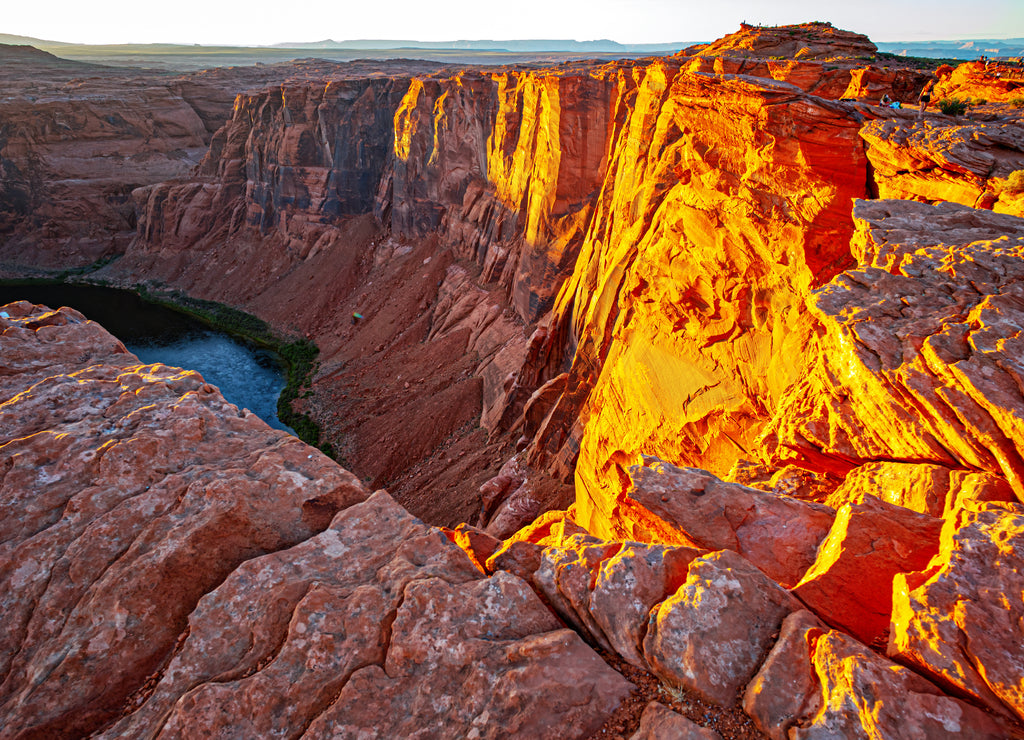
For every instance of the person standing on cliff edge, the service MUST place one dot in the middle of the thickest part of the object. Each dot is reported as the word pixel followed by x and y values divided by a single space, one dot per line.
pixel 926 97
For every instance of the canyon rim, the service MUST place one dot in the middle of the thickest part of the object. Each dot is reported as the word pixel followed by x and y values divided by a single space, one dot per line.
pixel 678 396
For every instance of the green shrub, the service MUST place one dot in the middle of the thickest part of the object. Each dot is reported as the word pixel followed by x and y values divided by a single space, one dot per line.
pixel 1017 102
pixel 953 106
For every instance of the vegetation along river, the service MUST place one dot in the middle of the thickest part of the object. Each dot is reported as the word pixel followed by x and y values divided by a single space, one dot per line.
pixel 249 376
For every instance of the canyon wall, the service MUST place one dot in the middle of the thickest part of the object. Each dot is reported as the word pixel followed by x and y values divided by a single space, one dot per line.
pixel 730 417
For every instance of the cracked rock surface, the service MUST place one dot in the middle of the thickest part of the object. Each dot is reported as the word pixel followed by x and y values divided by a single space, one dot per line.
pixel 172 566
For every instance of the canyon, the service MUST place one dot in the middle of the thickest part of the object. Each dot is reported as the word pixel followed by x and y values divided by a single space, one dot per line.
pixel 699 372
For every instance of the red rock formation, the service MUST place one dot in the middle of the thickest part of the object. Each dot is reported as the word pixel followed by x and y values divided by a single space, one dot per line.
pixel 778 534
pixel 820 683
pixel 803 41
pixel 589 264
pixel 78 138
pixel 915 359
pixel 850 583
pixel 171 565
pixel 958 620
pixel 992 81
pixel 945 159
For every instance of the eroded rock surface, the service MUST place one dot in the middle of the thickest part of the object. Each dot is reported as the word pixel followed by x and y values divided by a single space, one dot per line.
pixel 845 690
pixel 174 567
pixel 918 358
pixel 959 620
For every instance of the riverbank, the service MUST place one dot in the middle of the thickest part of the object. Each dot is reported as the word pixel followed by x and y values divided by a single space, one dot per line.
pixel 298 355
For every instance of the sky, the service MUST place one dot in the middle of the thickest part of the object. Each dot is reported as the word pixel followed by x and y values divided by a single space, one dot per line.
pixel 264 22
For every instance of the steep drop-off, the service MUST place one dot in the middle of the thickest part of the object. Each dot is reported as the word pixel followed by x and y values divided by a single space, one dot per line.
pixel 643 324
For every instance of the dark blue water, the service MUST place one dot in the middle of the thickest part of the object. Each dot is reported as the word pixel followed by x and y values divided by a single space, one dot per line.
pixel 248 376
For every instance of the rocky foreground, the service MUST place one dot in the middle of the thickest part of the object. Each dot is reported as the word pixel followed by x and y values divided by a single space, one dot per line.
pixel 710 364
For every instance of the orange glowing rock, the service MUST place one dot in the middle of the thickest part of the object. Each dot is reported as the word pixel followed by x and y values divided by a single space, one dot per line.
pixel 947 159
pixel 960 620
pixel 684 506
pixel 712 634
pixel 475 542
pixel 845 690
pixel 919 361
pixel 850 583
pixel 727 200
pixel 994 82
pixel 521 553
pixel 924 488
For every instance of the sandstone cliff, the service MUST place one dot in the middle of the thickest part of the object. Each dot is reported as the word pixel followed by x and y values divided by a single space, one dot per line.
pixel 781 420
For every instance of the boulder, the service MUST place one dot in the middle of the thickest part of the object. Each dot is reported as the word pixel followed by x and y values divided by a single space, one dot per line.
pixel 778 534
pixel 864 695
pixel 820 683
pixel 658 722
pixel 712 635
pixel 959 621
pixel 566 577
pixel 850 583
pixel 628 585
pixel 784 692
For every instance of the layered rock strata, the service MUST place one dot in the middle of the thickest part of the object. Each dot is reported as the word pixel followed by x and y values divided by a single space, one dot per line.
pixel 915 358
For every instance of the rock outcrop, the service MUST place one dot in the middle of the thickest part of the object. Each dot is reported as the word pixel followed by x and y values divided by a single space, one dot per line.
pixel 172 566
pixel 803 41
pixel 916 357
pixel 942 159
pixel 958 620
pixel 709 409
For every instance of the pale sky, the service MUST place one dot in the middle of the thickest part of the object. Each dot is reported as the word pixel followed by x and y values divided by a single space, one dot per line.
pixel 260 22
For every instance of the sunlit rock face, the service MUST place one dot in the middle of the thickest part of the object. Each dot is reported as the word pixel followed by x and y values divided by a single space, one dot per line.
pixel 725 201
pixel 958 620
pixel 803 41
pixel 917 353
pixel 992 81
pixel 947 159
pixel 172 566
pixel 505 167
